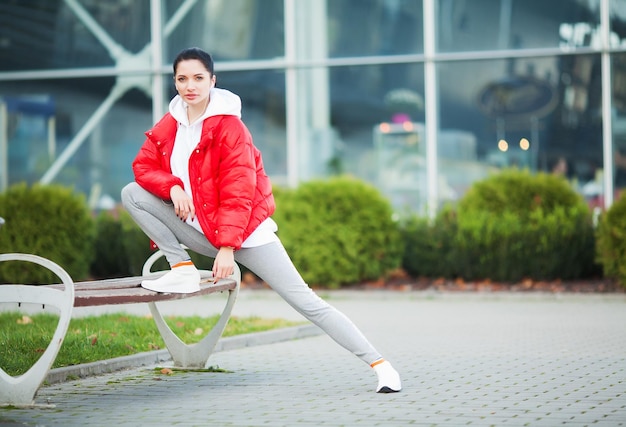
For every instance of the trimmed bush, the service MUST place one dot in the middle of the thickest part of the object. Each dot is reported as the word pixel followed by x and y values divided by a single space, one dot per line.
pixel 510 226
pixel 121 247
pixel 544 246
pixel 516 225
pixel 520 192
pixel 50 221
pixel 611 241
pixel 338 231
pixel 428 245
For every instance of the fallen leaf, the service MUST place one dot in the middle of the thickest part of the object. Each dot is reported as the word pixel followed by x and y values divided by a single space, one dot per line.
pixel 93 338
pixel 25 320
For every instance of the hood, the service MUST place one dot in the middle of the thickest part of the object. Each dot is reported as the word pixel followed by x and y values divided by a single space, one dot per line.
pixel 222 103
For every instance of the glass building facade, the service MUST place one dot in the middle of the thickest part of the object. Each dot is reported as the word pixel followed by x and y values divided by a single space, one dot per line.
pixel 419 97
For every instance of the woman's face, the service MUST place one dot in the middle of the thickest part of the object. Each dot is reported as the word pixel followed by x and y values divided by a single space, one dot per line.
pixel 193 82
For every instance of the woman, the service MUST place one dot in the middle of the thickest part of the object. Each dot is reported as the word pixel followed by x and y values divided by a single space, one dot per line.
pixel 200 182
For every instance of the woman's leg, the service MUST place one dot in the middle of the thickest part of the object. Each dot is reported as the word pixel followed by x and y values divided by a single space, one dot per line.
pixel 159 221
pixel 272 264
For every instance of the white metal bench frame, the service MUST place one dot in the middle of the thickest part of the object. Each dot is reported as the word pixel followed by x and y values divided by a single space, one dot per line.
pixel 191 355
pixel 20 391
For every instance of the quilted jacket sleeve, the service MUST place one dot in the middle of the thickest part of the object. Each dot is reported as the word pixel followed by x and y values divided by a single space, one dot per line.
pixel 152 169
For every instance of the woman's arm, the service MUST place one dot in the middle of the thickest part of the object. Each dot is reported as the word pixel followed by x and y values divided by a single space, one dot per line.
pixel 152 164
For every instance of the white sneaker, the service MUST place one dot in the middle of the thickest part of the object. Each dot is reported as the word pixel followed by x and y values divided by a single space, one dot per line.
pixel 184 279
pixel 388 378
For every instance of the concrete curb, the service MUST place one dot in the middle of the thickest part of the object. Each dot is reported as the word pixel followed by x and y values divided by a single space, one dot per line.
pixel 150 358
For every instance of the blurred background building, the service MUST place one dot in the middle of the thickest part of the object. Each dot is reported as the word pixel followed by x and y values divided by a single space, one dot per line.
pixel 418 97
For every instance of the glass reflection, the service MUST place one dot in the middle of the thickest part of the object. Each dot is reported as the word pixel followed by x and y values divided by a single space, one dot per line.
pixel 37 35
pixel 92 33
pixel 48 117
pixel 229 30
pixel 617 13
pixel 263 111
pixel 374 27
pixel 377 113
pixel 543 114
pixel 517 24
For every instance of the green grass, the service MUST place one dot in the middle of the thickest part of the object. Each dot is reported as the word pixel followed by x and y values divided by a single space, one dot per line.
pixel 24 338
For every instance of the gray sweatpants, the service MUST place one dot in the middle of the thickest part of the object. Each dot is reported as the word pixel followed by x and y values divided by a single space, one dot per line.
pixel 269 262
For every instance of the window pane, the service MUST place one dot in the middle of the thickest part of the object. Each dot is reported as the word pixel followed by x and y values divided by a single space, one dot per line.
pixel 618 63
pixel 62 38
pixel 619 120
pixel 618 23
pixel 230 30
pixel 40 34
pixel 365 102
pixel 44 120
pixel 263 111
pixel 374 27
pixel 516 24
pixel 535 113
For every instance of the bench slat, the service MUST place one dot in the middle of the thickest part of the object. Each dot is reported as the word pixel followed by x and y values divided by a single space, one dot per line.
pixel 123 282
pixel 88 297
pixel 128 290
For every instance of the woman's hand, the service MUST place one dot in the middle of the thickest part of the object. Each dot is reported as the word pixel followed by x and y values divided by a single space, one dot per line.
pixel 224 263
pixel 183 204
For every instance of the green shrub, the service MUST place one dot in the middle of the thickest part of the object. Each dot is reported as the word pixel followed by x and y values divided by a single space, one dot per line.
pixel 338 231
pixel 516 224
pixel 428 245
pixel 110 260
pixel 50 221
pixel 520 192
pixel 506 247
pixel 611 241
pixel 510 226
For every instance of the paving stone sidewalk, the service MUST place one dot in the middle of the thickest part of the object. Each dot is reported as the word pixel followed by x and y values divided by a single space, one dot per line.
pixel 474 359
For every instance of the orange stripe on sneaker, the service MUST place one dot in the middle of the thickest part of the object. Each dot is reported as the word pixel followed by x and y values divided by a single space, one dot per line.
pixel 182 264
pixel 378 362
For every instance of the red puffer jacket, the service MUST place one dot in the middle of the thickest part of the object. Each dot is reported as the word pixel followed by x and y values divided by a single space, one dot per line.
pixel 231 192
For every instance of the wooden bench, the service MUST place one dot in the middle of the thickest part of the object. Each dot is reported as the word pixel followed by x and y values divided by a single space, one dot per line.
pixel 20 390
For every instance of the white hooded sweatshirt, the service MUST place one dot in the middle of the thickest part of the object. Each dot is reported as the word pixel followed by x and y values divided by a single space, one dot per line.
pixel 222 102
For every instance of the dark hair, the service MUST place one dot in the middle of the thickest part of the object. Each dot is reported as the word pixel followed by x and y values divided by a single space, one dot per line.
pixel 194 53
